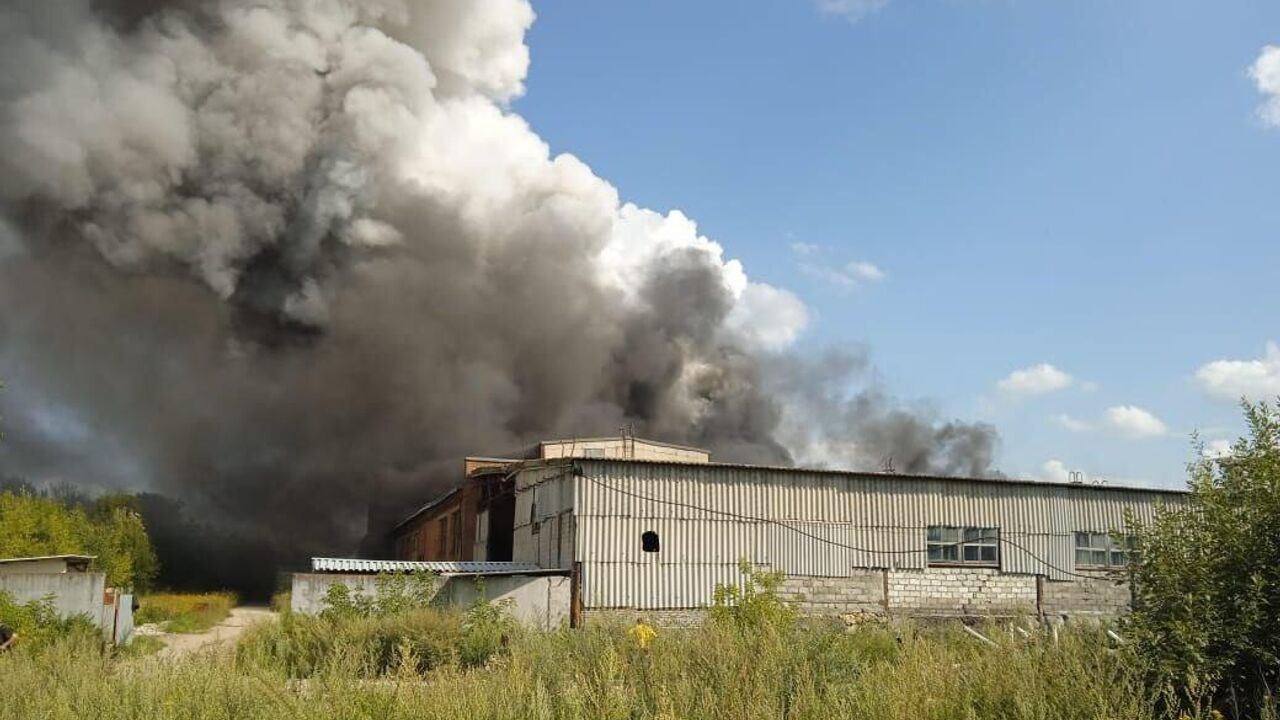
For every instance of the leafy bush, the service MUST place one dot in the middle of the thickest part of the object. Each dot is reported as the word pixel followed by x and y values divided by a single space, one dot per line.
pixel 387 633
pixel 754 605
pixel 1206 620
pixel 37 622
pixel 486 629
pixel 185 613
pixel 366 646
pixel 394 593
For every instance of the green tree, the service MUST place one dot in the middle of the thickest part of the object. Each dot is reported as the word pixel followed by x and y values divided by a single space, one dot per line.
pixel 32 525
pixel 1206 584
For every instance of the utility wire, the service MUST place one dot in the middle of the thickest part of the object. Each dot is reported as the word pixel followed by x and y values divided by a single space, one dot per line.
pixel 998 538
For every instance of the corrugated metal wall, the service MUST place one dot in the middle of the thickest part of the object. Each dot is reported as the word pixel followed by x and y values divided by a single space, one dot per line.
pixel 544 517
pixel 803 523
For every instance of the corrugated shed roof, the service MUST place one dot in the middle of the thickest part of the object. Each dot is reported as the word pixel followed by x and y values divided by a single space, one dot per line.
pixel 432 503
pixel 49 557
pixel 444 567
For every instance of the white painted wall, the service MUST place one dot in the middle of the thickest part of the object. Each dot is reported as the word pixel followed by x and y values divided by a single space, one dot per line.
pixel 27 567
pixel 78 593
pixel 540 601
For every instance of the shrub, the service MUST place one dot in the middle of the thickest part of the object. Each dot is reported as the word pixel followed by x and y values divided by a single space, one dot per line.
pixel 486 629
pixel 1206 620
pixel 37 622
pixel 306 646
pixel 754 605
pixel 394 593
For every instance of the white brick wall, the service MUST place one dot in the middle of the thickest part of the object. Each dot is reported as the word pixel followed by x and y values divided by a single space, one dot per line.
pixel 960 591
pixel 862 592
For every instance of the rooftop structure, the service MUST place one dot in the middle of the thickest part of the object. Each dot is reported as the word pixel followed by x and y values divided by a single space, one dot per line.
pixel 47 564
pixel 659 534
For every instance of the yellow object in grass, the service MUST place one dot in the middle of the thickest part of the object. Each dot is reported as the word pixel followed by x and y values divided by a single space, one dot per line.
pixel 642 633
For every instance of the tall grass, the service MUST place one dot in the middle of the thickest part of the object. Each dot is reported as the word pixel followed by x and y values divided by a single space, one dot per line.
pixel 412 667
pixel 185 612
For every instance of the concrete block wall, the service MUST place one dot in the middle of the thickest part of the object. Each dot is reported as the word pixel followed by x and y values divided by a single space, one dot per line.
pixel 932 592
pixel 961 591
pixel 1101 597
pixel 863 592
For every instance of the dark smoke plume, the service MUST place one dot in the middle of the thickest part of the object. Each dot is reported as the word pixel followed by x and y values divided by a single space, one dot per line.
pixel 257 255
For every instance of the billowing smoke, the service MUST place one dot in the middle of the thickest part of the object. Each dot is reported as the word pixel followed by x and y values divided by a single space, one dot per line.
pixel 258 253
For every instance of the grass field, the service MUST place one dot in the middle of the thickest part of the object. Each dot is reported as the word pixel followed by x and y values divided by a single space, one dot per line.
pixel 751 659
pixel 185 613
pixel 429 664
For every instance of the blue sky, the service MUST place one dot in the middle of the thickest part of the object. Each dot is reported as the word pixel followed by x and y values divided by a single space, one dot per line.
pixel 1085 184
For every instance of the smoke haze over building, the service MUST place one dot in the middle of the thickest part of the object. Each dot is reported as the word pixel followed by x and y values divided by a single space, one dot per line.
pixel 256 255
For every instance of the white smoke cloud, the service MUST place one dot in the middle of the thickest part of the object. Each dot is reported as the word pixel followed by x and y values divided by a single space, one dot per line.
pixel 118 128
pixel 274 223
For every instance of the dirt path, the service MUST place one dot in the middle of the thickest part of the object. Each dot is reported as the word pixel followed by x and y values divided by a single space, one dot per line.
pixel 225 632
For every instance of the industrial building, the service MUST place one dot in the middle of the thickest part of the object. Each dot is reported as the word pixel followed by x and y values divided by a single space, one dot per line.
pixel 644 526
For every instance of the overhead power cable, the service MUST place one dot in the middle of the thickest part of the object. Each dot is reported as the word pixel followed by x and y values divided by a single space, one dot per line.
pixel 799 531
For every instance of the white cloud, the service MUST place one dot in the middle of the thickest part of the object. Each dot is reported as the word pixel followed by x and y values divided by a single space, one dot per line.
pixel 1134 422
pixel 864 271
pixel 1233 379
pixel 1265 72
pixel 1035 380
pixel 851 10
pixel 804 249
pixel 1215 449
pixel 1055 470
pixel 846 277
pixel 1073 424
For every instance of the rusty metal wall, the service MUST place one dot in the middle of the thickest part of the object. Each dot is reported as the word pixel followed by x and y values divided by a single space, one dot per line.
pixel 805 523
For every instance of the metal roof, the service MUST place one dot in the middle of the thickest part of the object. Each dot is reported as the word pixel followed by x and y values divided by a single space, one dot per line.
pixel 81 558
pixel 430 504
pixel 881 475
pixel 444 567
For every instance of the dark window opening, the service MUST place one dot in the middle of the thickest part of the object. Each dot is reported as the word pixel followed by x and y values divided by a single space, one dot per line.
pixel 649 541
pixel 502 520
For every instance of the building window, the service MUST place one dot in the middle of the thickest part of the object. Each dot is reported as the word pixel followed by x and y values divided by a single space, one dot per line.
pixel 963 545
pixel 649 541
pixel 1101 550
